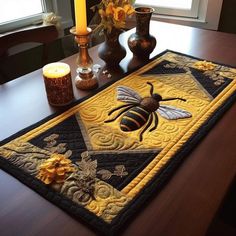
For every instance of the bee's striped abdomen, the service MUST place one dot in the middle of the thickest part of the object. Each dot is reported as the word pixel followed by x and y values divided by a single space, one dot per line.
pixel 134 119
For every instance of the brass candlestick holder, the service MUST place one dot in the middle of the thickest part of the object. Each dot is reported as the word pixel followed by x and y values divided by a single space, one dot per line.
pixel 85 78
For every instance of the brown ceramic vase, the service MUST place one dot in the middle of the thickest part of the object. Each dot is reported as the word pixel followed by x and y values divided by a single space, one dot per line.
pixel 111 51
pixel 141 43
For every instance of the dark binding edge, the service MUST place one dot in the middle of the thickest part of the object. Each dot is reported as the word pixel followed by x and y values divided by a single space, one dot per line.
pixel 134 206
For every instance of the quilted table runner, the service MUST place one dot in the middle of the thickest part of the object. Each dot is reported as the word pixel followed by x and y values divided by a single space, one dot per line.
pixel 101 159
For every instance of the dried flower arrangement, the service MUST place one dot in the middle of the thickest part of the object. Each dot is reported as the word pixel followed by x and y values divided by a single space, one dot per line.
pixel 113 13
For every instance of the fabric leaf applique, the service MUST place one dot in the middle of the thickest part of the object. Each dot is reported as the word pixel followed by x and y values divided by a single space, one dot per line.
pixel 87 167
pixel 105 174
pixel 119 171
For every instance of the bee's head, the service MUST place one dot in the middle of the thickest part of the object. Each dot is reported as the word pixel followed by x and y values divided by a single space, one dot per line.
pixel 157 97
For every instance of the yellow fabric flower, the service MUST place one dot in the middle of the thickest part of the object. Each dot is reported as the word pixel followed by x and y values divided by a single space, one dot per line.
pixel 55 169
pixel 119 14
pixel 204 65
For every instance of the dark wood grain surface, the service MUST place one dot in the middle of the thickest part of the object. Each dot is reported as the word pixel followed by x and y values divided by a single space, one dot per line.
pixel 185 206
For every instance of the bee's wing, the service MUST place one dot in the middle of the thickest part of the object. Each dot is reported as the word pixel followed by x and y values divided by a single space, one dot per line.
pixel 172 113
pixel 128 95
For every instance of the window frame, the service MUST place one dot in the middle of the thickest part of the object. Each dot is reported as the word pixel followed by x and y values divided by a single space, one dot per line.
pixel 171 11
pixel 208 16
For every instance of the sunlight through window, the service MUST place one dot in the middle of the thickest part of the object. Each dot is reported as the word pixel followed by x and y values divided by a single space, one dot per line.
pixel 178 4
pixel 17 9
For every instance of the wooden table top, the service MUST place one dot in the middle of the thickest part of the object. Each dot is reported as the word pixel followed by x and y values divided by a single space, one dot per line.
pixel 185 206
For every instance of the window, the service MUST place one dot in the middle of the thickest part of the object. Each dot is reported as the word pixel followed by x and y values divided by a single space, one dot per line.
pixel 18 13
pixel 184 8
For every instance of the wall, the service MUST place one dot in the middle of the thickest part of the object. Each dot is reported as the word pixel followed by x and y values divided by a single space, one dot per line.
pixel 228 17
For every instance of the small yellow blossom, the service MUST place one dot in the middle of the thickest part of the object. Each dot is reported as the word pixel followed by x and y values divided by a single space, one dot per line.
pixel 204 65
pixel 119 14
pixel 102 13
pixel 110 8
pixel 128 9
pixel 55 169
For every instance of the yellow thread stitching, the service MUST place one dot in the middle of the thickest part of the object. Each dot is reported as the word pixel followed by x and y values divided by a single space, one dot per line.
pixel 125 126
pixel 138 114
pixel 133 120
pixel 140 108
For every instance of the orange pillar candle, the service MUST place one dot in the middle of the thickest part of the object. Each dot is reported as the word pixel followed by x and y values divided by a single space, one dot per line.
pixel 58 84
pixel 80 17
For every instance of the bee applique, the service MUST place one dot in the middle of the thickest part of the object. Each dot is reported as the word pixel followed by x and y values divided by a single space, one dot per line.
pixel 142 112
